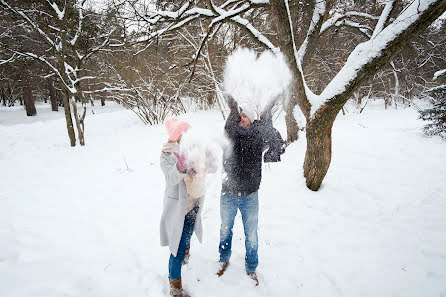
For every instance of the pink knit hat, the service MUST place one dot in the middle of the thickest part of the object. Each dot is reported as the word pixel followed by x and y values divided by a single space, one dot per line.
pixel 175 128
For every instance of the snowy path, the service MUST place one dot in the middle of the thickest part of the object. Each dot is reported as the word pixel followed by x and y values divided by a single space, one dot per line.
pixel 76 222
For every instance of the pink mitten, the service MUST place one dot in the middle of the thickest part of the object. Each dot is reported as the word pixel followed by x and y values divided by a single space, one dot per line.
pixel 181 161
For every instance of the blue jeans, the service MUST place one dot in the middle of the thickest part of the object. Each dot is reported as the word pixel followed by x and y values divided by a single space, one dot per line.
pixel 175 263
pixel 249 209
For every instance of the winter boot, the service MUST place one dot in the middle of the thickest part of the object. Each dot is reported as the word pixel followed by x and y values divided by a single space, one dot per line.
pixel 223 266
pixel 186 258
pixel 253 276
pixel 176 289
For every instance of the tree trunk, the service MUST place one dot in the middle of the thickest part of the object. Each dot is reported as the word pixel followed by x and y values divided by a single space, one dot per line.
pixel 292 128
pixel 53 97
pixel 9 96
pixel 79 120
pixel 318 155
pixel 3 96
pixel 68 119
pixel 102 100
pixel 59 96
pixel 286 46
pixel 30 106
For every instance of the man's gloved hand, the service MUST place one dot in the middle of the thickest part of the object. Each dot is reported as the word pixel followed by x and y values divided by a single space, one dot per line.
pixel 233 106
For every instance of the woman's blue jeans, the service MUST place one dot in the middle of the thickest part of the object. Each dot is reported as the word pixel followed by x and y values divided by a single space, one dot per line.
pixel 175 263
pixel 249 209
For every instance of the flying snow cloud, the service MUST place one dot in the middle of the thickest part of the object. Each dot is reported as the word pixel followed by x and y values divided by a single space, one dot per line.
pixel 200 148
pixel 254 81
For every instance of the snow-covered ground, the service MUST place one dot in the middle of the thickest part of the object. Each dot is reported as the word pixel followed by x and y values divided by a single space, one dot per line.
pixel 83 221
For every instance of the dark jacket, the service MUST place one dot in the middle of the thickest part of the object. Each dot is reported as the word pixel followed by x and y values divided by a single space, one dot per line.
pixel 242 160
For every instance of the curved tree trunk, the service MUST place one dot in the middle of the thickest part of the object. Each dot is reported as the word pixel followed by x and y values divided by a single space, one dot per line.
pixel 318 155
pixel 68 119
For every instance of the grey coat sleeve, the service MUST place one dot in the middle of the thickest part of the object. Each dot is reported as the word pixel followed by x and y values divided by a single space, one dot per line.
pixel 169 168
pixel 272 139
pixel 275 144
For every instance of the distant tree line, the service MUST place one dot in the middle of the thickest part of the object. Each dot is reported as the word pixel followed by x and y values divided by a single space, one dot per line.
pixel 153 56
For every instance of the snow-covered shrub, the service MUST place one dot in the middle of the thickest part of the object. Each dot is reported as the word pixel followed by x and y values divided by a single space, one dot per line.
pixel 437 118
pixel 437 114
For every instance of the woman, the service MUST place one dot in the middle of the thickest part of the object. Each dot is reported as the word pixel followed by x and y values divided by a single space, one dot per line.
pixel 183 200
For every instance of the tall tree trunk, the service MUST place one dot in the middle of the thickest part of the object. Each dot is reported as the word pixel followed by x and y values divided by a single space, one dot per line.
pixel 78 119
pixel 53 97
pixel 292 128
pixel 66 106
pixel 59 96
pixel 30 106
pixel 9 96
pixel 318 155
pixel 286 46
pixel 3 96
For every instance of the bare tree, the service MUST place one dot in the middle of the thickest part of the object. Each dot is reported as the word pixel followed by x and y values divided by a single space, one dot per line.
pixel 300 27
pixel 61 27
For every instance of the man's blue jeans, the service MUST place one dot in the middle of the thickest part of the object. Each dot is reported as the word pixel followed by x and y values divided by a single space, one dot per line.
pixel 175 263
pixel 249 209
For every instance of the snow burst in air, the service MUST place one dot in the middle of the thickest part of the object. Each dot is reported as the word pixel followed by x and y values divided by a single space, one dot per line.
pixel 200 148
pixel 255 81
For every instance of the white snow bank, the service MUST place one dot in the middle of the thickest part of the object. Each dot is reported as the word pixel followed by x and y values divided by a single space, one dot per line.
pixel 84 221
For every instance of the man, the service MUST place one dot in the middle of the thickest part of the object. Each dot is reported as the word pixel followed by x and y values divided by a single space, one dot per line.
pixel 242 163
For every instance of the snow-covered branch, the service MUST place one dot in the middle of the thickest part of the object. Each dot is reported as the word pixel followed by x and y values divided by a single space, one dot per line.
pixel 173 20
pixel 313 30
pixel 11 59
pixel 100 46
pixel 364 29
pixel 79 27
pixel 168 28
pixel 335 19
pixel 60 13
pixel 385 15
pixel 367 53
pixel 440 74
pixel 50 65
pixel 30 22
pixel 256 34
pixel 108 89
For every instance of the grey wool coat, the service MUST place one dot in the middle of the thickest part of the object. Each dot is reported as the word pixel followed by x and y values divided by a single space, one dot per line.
pixel 174 206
